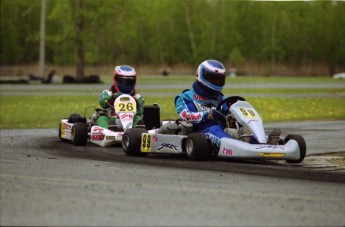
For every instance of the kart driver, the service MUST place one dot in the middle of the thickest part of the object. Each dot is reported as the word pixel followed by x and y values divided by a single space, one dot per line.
pixel 198 105
pixel 124 79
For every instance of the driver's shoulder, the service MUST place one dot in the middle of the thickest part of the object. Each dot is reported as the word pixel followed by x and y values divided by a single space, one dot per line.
pixel 186 94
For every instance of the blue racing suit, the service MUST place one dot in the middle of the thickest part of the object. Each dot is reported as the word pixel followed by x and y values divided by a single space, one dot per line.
pixel 196 108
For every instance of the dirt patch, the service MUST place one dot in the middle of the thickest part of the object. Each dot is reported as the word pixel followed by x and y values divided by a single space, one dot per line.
pixel 333 162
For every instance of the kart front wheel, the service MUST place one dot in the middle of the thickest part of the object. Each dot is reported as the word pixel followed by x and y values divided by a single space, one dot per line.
pixel 131 141
pixel 196 146
pixel 301 144
pixel 79 134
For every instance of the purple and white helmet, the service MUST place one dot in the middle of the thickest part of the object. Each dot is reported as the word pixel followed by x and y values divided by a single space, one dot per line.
pixel 211 73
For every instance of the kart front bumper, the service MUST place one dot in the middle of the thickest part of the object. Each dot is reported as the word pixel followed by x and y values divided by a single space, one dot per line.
pixel 231 148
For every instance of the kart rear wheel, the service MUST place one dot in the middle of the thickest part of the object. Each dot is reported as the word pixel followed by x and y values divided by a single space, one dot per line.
pixel 79 134
pixel 301 144
pixel 131 141
pixel 74 118
pixel 196 146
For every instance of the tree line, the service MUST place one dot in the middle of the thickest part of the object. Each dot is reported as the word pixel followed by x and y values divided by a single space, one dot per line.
pixel 168 32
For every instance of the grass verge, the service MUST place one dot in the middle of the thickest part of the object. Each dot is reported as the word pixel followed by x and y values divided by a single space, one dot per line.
pixel 46 112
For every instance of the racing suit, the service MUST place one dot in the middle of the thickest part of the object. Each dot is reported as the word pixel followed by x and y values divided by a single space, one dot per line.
pixel 106 100
pixel 197 109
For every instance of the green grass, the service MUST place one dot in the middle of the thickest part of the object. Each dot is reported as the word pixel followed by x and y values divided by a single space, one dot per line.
pixel 35 111
pixel 39 112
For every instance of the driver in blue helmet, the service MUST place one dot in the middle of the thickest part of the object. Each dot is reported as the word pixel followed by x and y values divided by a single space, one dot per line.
pixel 198 106
pixel 124 81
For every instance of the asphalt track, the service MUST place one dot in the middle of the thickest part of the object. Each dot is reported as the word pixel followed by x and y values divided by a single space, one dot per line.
pixel 45 181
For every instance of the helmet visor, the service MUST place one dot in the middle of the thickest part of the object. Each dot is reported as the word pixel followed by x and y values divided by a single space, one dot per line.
pixel 217 79
pixel 125 80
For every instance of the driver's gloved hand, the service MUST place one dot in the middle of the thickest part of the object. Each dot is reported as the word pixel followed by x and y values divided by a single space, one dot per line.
pixel 229 118
pixel 105 97
pixel 215 114
pixel 230 121
pixel 115 95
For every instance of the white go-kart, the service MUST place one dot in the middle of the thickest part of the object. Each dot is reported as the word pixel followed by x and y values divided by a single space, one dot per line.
pixel 245 126
pixel 79 130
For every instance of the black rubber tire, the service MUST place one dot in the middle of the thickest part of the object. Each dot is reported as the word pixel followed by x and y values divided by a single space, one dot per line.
pixel 79 134
pixel 301 144
pixel 74 118
pixel 196 146
pixel 131 141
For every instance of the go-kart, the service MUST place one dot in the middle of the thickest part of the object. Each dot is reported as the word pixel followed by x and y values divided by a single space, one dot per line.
pixel 78 130
pixel 244 126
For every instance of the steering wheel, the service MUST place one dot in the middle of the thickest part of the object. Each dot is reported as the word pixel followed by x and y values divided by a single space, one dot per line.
pixel 229 100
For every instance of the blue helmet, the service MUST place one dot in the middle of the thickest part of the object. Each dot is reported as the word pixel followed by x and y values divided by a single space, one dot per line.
pixel 125 79
pixel 211 73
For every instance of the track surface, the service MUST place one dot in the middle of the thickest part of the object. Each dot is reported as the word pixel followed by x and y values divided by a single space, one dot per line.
pixel 47 182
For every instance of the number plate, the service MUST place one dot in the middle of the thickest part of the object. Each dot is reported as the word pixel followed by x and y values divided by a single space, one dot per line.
pixel 125 104
pixel 146 141
pixel 248 113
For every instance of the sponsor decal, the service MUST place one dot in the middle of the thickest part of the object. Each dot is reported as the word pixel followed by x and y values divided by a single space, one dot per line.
pixel 97 137
pixel 191 116
pixel 273 147
pixel 110 137
pixel 167 145
pixel 126 116
pixel 67 135
pixel 200 98
pixel 67 126
pixel 155 139
pixel 227 151
pixel 98 130
pixel 265 154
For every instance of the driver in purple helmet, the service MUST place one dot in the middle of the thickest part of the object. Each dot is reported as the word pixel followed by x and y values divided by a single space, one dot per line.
pixel 198 106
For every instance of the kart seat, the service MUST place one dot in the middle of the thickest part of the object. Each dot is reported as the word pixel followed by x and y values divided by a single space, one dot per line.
pixel 152 116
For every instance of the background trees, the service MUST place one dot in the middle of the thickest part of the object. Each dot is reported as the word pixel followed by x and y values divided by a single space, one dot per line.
pixel 176 31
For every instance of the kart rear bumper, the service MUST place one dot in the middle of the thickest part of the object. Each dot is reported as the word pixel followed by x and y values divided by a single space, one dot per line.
pixel 105 137
pixel 65 129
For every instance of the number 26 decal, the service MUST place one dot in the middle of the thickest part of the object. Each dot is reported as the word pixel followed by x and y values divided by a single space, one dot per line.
pixel 124 107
